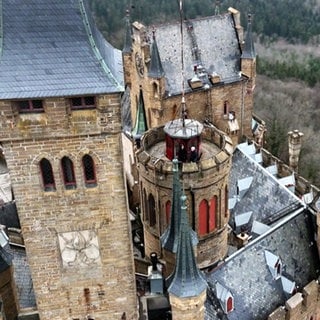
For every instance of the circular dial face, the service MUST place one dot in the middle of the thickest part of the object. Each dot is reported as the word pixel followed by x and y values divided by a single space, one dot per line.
pixel 139 64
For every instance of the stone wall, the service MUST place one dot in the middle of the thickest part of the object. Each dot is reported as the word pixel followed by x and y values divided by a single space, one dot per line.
pixel 77 241
pixel 301 306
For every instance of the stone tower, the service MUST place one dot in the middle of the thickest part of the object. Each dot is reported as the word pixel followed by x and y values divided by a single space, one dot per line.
pixel 187 286
pixel 60 119
pixel 205 183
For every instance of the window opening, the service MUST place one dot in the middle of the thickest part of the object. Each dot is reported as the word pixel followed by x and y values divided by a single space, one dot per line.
pixel 152 210
pixel 226 108
pixel 89 171
pixel 229 304
pixel 83 102
pixel 168 211
pixel 203 217
pixel 68 173
pixel 47 175
pixel 32 106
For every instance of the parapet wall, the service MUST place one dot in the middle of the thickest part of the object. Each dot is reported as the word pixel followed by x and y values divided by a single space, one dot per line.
pixel 303 305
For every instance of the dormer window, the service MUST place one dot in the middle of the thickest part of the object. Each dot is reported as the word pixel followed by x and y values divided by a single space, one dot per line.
pixel 274 264
pixel 30 106
pixel 225 298
pixel 87 102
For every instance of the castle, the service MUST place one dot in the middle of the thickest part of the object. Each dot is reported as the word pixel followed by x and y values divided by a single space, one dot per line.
pixel 95 141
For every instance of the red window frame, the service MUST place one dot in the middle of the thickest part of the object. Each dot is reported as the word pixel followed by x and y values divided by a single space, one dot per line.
pixel 89 171
pixel 203 217
pixel 68 173
pixel 229 304
pixel 47 175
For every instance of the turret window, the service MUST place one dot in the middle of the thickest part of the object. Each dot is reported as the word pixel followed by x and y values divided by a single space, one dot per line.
pixel 152 211
pixel 168 211
pixel 207 216
pixel 47 175
pixel 203 217
pixel 68 173
pixel 83 102
pixel 30 106
pixel 89 171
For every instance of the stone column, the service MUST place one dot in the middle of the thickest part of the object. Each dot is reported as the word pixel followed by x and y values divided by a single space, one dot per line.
pixel 295 141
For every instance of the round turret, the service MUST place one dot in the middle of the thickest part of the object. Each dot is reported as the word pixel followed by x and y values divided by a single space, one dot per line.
pixel 204 180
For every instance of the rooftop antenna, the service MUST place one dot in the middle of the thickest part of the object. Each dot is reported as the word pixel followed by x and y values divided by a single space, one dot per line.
pixel 183 101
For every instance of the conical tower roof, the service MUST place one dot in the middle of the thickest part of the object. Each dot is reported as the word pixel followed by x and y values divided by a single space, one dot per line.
pixel 249 51
pixel 141 122
pixel 169 239
pixel 155 70
pixel 187 279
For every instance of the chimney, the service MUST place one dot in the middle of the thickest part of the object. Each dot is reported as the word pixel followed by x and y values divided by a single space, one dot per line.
pixel 295 141
pixel 155 275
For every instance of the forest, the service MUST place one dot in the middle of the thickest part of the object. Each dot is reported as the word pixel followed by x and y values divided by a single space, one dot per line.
pixel 287 40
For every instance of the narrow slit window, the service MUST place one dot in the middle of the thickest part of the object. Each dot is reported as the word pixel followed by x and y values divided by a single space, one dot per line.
pixel 89 171
pixel 68 173
pixel 152 210
pixel 47 175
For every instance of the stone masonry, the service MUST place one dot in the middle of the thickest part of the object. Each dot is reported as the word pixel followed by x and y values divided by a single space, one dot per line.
pixel 77 241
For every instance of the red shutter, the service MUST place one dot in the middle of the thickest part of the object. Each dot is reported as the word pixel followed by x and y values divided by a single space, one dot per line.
pixel 229 304
pixel 203 217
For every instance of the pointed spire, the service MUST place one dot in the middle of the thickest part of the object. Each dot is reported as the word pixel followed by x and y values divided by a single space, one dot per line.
pixel 187 279
pixel 169 239
pixel 141 122
pixel 155 70
pixel 127 46
pixel 248 50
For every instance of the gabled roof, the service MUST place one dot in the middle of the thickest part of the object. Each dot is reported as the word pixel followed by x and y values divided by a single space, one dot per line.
pixel 247 276
pixel 53 48
pixel 266 198
pixel 216 40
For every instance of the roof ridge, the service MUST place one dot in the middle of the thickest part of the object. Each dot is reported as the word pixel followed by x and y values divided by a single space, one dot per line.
pixel 95 48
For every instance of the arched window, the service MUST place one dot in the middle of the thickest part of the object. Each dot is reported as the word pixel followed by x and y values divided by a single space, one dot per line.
pixel 89 171
pixel 168 211
pixel 229 304
pixel 152 210
pixel 203 217
pixel 68 173
pixel 47 175
pixel 212 213
pixel 146 211
pixel 155 90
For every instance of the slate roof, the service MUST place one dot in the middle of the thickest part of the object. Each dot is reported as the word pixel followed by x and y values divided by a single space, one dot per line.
pixel 247 276
pixel 22 278
pixel 266 198
pixel 218 46
pixel 53 48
